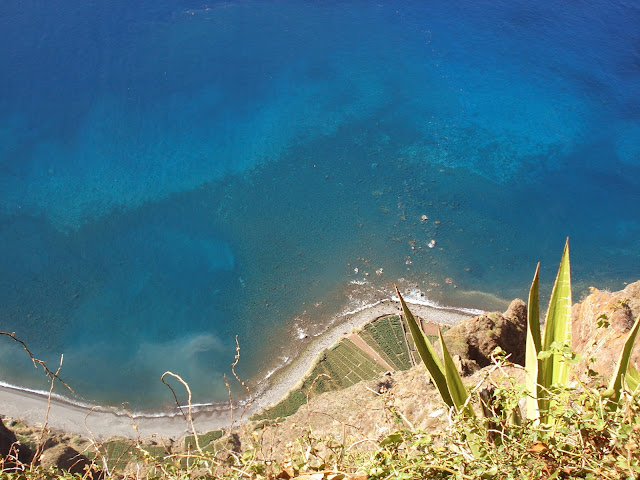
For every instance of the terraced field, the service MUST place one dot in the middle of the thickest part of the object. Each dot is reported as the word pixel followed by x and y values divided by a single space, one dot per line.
pixel 386 335
pixel 338 367
pixel 345 364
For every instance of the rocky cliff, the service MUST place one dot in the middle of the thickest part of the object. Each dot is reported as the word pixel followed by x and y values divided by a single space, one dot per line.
pixel 370 410
pixel 600 324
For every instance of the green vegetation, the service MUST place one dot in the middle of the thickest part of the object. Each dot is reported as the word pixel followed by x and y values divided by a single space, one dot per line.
pixel 586 441
pixel 118 453
pixel 580 429
pixel 548 360
pixel 551 406
pixel 386 336
pixel 338 367
pixel 345 364
pixel 545 362
pixel 625 374
pixel 583 440
pixel 205 440
pixel 448 382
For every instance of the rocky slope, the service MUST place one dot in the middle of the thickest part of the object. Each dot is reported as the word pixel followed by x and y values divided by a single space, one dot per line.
pixel 407 399
pixel 370 410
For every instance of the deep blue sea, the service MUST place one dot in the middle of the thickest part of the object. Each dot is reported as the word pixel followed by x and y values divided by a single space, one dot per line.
pixel 176 173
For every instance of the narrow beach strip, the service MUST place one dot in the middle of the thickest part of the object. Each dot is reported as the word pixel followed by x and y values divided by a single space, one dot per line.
pixel 103 423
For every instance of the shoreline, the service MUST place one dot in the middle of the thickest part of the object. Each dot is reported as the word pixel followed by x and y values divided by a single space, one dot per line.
pixel 105 422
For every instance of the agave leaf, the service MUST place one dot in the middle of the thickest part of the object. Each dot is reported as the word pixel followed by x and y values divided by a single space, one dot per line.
pixel 558 326
pixel 633 379
pixel 533 309
pixel 427 353
pixel 457 390
pixel 623 369
pixel 532 364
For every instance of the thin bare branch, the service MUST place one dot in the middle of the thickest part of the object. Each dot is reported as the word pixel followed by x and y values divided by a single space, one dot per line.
pixel 226 382
pixel 189 412
pixel 36 362
pixel 233 370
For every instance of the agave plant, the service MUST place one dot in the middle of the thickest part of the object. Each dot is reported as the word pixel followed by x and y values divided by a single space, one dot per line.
pixel 445 376
pixel 546 360
pixel 543 369
pixel 444 373
pixel 624 372
pixel 545 365
pixel 546 354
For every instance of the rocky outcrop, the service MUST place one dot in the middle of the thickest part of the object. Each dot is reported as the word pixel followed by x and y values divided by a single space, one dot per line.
pixel 472 341
pixel 600 325
pixel 65 457
pixel 11 449
pixel 54 452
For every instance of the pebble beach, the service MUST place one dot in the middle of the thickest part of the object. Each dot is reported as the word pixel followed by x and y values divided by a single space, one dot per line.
pixel 102 423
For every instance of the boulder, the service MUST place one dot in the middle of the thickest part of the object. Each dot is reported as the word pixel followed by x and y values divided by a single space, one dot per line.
pixel 600 325
pixel 474 339
pixel 65 457
pixel 10 448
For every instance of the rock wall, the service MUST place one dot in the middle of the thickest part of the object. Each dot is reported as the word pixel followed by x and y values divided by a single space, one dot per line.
pixel 600 325
pixel 473 340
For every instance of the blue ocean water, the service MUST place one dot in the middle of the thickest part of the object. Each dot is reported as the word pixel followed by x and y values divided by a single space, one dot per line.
pixel 176 173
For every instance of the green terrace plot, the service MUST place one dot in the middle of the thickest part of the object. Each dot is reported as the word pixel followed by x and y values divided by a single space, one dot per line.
pixel 120 452
pixel 206 441
pixel 337 367
pixel 386 336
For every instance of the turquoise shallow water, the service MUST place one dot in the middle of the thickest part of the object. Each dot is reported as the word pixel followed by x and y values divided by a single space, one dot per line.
pixel 174 174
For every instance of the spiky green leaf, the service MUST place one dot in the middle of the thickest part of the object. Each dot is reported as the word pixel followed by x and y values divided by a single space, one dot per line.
pixel 532 364
pixel 622 368
pixel 456 388
pixel 427 354
pixel 633 379
pixel 533 310
pixel 558 326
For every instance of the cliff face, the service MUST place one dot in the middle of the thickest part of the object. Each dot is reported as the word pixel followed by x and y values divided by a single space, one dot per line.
pixel 600 325
pixel 372 409
pixel 473 340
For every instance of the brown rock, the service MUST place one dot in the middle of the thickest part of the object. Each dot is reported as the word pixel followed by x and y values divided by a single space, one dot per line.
pixel 10 448
pixel 67 458
pixel 475 339
pixel 517 310
pixel 632 293
pixel 465 366
pixel 600 325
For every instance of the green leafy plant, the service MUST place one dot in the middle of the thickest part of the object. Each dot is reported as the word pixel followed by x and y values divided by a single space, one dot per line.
pixel 624 370
pixel 547 358
pixel 445 376
pixel 545 364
